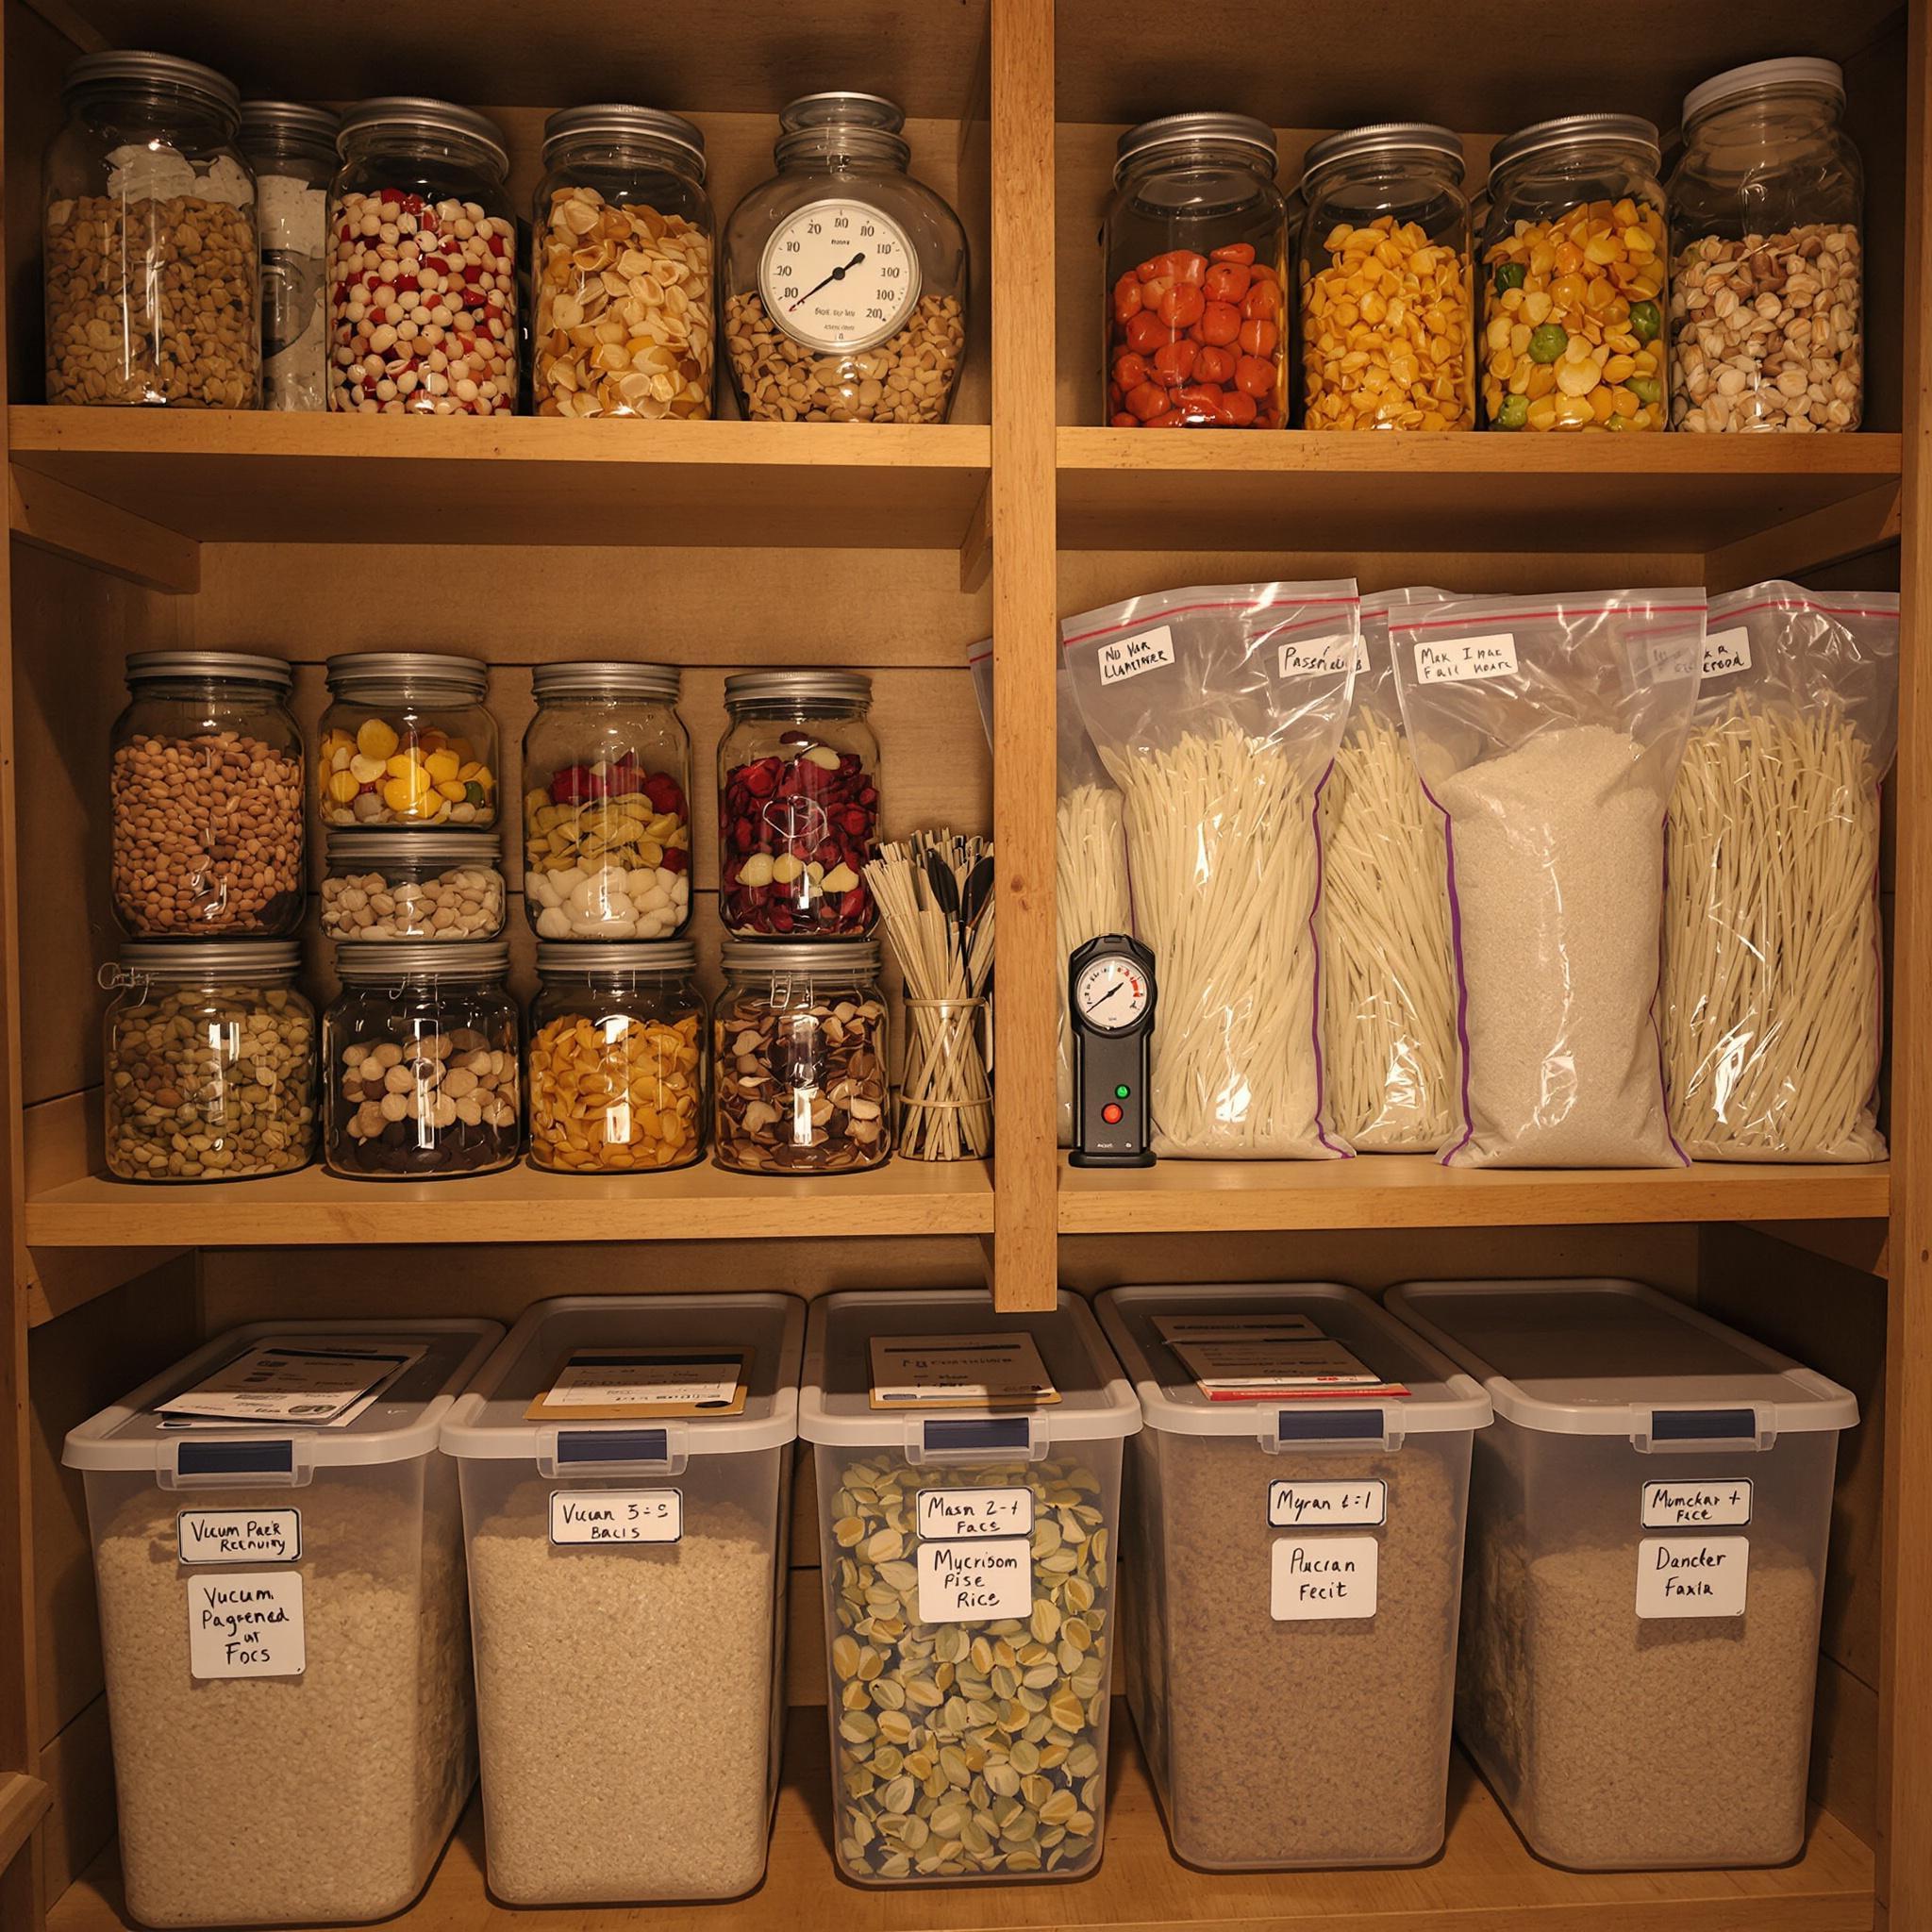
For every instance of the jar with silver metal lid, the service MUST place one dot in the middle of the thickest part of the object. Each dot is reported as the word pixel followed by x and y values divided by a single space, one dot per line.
pixel 292 150
pixel 149 239
pixel 422 263
pixel 617 1058
pixel 407 741
pixel 1196 251
pixel 607 815
pixel 798 804
pixel 799 1039
pixel 209 1062
pixel 1387 337
pixel 1571 277
pixel 420 1057
pixel 406 885
pixel 846 278
pixel 622 239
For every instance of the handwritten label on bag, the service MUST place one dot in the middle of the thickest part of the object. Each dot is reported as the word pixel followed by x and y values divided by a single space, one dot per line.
pixel 1710 1503
pixel 238 1536
pixel 976 1512
pixel 248 1625
pixel 1319 1577
pixel 616 1516
pixel 1146 650
pixel 1320 1504
pixel 1726 651
pixel 972 1582
pixel 1691 1575
pixel 1332 654
pixel 1455 661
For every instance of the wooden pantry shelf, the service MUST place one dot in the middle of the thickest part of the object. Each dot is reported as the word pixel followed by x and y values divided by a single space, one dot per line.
pixel 1412 1191
pixel 1484 1881
pixel 1829 496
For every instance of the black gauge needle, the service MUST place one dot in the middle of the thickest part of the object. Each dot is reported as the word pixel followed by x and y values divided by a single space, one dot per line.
pixel 1120 985
pixel 838 275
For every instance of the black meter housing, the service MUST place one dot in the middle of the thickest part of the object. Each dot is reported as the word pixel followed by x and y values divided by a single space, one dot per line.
pixel 1110 1001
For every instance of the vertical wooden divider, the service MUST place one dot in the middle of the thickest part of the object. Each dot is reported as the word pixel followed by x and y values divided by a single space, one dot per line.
pixel 1025 648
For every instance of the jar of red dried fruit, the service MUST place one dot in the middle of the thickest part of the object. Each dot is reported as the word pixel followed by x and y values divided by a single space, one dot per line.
pixel 1196 246
pixel 798 804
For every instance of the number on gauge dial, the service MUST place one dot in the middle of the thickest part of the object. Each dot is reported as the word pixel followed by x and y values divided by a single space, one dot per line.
pixel 839 275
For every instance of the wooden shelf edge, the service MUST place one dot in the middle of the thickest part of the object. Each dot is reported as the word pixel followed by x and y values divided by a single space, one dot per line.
pixel 24 1802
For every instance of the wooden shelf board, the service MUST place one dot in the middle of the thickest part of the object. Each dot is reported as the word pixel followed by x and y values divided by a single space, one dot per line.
pixel 268 478
pixel 316 1209
pixel 1484 1881
pixel 1448 490
pixel 24 1802
pixel 1412 1191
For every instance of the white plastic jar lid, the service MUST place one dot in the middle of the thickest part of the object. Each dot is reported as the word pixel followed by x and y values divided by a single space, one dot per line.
pixel 1798 74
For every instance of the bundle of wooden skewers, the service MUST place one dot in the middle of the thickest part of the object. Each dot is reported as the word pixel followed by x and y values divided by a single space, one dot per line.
pixel 935 893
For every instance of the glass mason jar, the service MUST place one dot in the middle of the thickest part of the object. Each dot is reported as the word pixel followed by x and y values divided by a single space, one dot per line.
pixel 406 740
pixel 1196 249
pixel 617 1058
pixel 422 263
pixel 798 804
pixel 420 1059
pixel 846 278
pixel 622 195
pixel 1571 277
pixel 149 242
pixel 412 886
pixel 1767 254
pixel 209 1062
pixel 607 814
pixel 205 790
pixel 292 151
pixel 1387 337
pixel 799 1036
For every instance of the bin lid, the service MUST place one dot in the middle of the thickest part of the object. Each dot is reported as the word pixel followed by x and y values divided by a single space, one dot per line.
pixel 1615 1358
pixel 947 1355
pixel 1228 1358
pixel 722 1368
pixel 352 1394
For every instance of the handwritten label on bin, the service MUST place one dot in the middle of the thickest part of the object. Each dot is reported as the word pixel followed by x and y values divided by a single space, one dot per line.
pixel 1321 1505
pixel 616 1516
pixel 1319 1577
pixel 976 1512
pixel 238 1536
pixel 971 1581
pixel 1693 1576
pixel 246 1624
pixel 1700 1503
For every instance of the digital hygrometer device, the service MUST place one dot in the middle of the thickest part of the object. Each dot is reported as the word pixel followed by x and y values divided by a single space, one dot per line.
pixel 1111 1000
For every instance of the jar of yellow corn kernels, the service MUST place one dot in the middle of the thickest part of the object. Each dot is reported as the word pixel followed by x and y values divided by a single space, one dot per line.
pixel 1571 277
pixel 617 1057
pixel 406 740
pixel 1386 332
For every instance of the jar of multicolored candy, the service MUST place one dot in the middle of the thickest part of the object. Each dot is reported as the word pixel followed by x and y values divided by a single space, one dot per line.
pixel 407 741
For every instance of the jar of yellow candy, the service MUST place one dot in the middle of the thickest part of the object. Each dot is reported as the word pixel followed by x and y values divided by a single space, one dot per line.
pixel 407 741
pixel 1571 277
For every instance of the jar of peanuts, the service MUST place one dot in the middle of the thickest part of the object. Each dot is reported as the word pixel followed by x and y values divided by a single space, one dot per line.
pixel 1766 258
pixel 617 1058
pixel 407 741
pixel 1387 337
pixel 623 196
pixel 1571 277
pixel 1196 254
pixel 205 794
pixel 422 263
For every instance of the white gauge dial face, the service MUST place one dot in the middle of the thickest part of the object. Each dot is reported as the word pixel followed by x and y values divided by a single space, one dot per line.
pixel 839 275
pixel 1111 993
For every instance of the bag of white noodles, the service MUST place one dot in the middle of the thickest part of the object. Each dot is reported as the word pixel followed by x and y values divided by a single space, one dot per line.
pixel 1548 732
pixel 1388 975
pixel 1773 1014
pixel 1216 713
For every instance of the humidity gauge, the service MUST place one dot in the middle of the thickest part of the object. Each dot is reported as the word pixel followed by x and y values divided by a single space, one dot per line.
pixel 1110 998
pixel 840 275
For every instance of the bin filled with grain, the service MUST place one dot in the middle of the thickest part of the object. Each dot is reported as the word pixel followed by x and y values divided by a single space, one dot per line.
pixel 1647 1529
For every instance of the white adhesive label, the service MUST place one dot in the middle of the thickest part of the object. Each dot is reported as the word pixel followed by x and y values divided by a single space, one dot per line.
pixel 1320 1578
pixel 1710 1503
pixel 1691 1575
pixel 616 1516
pixel 1128 657
pixel 976 1512
pixel 1726 651
pixel 972 1582
pixel 1331 655
pixel 248 1625
pixel 238 1536
pixel 1455 661
pixel 1320 1504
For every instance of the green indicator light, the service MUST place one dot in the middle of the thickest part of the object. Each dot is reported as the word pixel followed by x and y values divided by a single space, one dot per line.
pixel 1122 1093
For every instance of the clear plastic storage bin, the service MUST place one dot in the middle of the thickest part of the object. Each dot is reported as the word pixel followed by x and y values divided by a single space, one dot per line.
pixel 1647 1530
pixel 968 1473
pixel 626 1464
pixel 281 1576
pixel 1291 1619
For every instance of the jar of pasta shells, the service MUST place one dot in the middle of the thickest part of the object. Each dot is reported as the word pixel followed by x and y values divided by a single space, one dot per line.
pixel 622 239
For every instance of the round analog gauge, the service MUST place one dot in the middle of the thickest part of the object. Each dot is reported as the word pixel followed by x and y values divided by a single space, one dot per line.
pixel 839 275
pixel 1111 993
